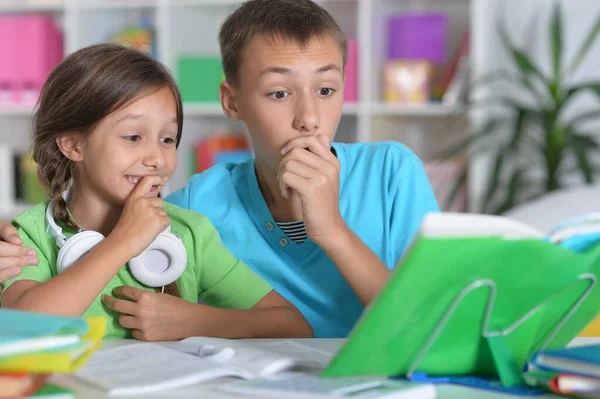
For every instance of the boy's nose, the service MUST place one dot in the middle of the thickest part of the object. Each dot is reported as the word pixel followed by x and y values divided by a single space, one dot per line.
pixel 307 116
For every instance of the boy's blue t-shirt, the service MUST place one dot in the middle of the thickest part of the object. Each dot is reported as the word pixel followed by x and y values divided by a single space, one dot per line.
pixel 384 194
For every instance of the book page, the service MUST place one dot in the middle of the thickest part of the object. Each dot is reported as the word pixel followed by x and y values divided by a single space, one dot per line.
pixel 448 224
pixel 261 358
pixel 149 367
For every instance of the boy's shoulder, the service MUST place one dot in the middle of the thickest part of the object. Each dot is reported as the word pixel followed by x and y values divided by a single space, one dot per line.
pixel 377 155
pixel 212 188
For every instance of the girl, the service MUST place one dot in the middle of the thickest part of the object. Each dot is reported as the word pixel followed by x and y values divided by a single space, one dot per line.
pixel 105 136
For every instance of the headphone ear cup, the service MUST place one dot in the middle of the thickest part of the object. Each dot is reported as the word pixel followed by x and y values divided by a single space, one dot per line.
pixel 76 247
pixel 162 263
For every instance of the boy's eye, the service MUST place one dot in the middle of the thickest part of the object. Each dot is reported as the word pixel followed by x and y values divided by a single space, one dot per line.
pixel 278 95
pixel 168 140
pixel 326 91
pixel 134 137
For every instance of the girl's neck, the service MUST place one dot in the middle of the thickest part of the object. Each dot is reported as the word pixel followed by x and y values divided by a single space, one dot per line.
pixel 93 213
pixel 282 209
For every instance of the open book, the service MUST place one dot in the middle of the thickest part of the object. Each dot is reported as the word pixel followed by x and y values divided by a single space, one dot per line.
pixel 140 368
pixel 577 234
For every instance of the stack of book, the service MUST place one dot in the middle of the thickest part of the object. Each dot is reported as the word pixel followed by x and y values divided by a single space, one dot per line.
pixel 573 371
pixel 35 346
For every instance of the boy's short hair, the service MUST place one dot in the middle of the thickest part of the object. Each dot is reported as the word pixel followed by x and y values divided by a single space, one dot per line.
pixel 296 20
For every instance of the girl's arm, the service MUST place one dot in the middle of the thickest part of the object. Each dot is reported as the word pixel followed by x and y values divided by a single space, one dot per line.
pixel 72 292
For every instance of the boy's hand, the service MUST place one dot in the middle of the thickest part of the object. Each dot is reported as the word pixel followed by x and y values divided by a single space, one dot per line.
pixel 314 176
pixel 12 255
pixel 151 316
pixel 143 217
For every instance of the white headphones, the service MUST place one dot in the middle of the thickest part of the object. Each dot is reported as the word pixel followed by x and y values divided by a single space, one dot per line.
pixel 159 265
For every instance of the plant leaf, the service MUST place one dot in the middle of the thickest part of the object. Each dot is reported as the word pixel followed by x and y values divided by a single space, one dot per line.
pixel 486 130
pixel 520 59
pixel 573 91
pixel 585 47
pixel 492 185
pixel 583 117
pixel 458 184
pixel 580 147
pixel 556 35
pixel 517 135
pixel 520 81
pixel 513 189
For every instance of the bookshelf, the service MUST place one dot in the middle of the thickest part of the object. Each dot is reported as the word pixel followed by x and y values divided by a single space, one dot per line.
pixel 191 26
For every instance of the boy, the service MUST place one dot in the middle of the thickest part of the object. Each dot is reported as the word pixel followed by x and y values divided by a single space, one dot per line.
pixel 323 223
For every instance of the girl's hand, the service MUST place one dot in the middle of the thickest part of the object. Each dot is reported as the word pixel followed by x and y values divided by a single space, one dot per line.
pixel 143 217
pixel 151 316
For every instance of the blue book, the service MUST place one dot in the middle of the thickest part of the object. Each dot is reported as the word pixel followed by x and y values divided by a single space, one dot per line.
pixel 581 360
pixel 26 332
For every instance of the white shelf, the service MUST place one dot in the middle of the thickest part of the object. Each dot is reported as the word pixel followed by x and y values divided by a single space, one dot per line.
pixel 191 27
pixel 116 4
pixel 430 110
pixel 17 7
pixel 195 3
pixel 16 111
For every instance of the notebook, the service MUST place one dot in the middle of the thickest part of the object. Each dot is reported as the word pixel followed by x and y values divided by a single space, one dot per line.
pixel 59 360
pixel 24 332
pixel 141 368
pixel 581 360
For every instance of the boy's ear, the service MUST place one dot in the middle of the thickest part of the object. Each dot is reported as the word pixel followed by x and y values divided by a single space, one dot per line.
pixel 227 95
pixel 70 145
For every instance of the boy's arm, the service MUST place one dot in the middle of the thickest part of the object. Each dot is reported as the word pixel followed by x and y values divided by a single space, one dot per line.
pixel 319 193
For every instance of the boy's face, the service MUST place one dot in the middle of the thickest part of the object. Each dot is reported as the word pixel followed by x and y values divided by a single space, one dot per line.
pixel 286 90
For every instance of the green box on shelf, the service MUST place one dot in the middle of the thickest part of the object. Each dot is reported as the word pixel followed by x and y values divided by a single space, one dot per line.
pixel 199 78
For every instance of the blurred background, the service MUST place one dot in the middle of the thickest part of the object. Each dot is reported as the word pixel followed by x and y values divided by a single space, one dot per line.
pixel 499 98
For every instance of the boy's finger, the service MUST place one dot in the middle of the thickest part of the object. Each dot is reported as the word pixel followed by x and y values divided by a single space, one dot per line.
pixel 144 186
pixel 9 233
pixel 9 273
pixel 7 249
pixel 312 143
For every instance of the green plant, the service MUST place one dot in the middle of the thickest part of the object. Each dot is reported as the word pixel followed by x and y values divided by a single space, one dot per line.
pixel 533 145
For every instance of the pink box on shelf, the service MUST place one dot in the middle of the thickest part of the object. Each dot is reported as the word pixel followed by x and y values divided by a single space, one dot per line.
pixel 40 49
pixel 9 65
pixel 351 72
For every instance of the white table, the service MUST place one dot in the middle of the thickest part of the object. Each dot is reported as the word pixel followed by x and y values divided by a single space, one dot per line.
pixel 208 391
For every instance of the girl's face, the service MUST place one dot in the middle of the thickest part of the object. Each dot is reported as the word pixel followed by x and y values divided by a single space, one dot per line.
pixel 135 141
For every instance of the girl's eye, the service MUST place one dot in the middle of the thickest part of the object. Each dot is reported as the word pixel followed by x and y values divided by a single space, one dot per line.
pixel 168 140
pixel 326 91
pixel 134 137
pixel 278 95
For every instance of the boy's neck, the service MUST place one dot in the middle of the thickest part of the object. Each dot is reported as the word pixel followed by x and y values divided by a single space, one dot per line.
pixel 92 213
pixel 282 209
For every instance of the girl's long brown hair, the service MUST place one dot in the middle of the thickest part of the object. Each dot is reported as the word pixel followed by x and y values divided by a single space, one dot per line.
pixel 85 87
